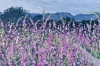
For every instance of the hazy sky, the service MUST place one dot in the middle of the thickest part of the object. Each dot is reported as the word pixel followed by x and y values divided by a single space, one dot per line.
pixel 52 6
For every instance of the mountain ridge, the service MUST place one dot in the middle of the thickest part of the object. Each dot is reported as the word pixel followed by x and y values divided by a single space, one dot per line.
pixel 79 17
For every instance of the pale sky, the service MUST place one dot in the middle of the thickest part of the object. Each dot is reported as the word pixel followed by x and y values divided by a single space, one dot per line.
pixel 52 6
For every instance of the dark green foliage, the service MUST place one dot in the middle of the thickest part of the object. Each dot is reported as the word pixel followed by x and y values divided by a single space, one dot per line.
pixel 38 17
pixel 13 14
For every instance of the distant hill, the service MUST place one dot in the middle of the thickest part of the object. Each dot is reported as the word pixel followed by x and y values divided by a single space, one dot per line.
pixel 0 13
pixel 78 17
pixel 57 16
pixel 14 13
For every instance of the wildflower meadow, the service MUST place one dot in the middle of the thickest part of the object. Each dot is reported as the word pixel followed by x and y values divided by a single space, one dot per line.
pixel 50 45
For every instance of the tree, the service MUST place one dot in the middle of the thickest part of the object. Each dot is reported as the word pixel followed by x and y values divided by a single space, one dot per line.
pixel 13 14
pixel 0 14
pixel 38 17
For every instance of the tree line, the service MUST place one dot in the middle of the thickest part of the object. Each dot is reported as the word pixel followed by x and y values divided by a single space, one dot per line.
pixel 14 13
